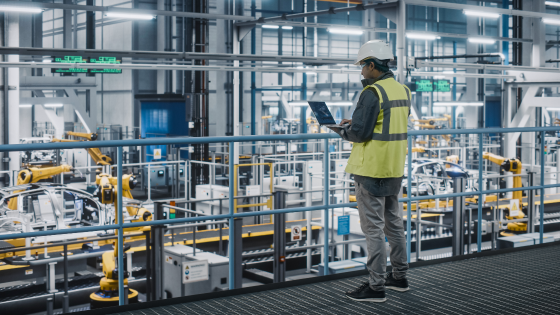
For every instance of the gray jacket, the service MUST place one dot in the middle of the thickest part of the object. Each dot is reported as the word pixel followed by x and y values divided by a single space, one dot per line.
pixel 361 130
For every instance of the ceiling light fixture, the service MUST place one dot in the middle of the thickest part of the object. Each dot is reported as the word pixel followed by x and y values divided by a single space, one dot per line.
pixel 552 3
pixel 551 21
pixel 298 103
pixel 458 104
pixel 482 14
pixel 478 40
pixel 345 31
pixel 21 9
pixel 421 36
pixel 287 27
pixel 130 16
pixel 274 27
pixel 339 103
pixel 25 105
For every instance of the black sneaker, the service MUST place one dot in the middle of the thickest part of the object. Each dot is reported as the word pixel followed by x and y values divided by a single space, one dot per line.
pixel 400 285
pixel 365 294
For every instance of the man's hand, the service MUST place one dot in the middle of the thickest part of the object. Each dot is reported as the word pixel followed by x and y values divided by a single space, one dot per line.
pixel 346 121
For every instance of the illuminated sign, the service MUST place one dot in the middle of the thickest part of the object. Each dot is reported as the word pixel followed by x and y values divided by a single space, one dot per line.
pixel 106 60
pixel 424 86
pixel 432 86
pixel 79 59
pixel 69 59
pixel 441 86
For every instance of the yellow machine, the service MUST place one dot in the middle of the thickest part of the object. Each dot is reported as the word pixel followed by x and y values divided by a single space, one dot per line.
pixel 108 294
pixel 514 166
pixel 418 149
pixel 107 194
pixel 33 175
pixel 95 153
pixel 452 159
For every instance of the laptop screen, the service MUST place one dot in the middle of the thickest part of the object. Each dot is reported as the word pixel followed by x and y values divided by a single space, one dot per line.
pixel 322 113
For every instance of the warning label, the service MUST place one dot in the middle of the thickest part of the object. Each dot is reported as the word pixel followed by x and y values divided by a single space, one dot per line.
pixel 514 207
pixel 194 271
pixel 296 233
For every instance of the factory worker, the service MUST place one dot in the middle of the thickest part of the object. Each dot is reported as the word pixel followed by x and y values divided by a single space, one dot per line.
pixel 378 129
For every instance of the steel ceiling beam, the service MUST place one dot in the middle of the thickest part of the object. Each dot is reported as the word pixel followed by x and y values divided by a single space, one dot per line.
pixel 78 7
pixel 458 6
pixel 332 10
pixel 28 51
pixel 173 67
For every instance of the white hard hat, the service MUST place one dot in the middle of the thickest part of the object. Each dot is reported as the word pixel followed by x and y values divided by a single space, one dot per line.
pixel 374 49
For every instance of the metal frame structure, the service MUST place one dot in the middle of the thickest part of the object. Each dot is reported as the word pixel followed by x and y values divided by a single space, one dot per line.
pixel 231 216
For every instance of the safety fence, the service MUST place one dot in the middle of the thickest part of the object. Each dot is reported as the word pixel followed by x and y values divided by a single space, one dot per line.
pixel 232 215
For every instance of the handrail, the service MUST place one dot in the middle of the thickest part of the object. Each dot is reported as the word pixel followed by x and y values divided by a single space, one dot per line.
pixel 231 216
pixel 205 140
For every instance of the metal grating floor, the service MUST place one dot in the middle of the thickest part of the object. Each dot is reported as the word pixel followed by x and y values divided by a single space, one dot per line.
pixel 525 282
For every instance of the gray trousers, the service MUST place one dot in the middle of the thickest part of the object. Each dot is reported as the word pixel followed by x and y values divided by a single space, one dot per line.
pixel 380 217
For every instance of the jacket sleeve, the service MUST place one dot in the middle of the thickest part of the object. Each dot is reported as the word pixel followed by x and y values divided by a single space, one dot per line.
pixel 363 119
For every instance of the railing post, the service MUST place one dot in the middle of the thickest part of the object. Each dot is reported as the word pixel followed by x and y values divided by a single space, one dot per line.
pixel 458 237
pixel 531 204
pixel 279 264
pixel 65 298
pixel 231 241
pixel 480 199
pixel 541 223
pixel 120 218
pixel 326 195
pixel 408 196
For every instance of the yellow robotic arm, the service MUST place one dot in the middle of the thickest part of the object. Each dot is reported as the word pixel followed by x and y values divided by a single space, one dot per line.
pixel 33 175
pixel 95 153
pixel 108 195
pixel 83 135
pixel 108 295
pixel 514 166
pixel 417 149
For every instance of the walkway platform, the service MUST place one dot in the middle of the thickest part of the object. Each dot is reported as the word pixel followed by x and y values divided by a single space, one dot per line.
pixel 513 281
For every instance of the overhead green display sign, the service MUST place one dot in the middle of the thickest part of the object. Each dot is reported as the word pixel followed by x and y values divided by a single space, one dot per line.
pixel 69 59
pixel 105 60
pixel 432 86
pixel 79 59
pixel 424 86
pixel 442 86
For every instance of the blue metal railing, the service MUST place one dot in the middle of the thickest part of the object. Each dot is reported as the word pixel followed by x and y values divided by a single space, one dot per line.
pixel 120 226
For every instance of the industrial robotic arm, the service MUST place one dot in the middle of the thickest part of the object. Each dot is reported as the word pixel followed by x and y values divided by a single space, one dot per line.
pixel 107 194
pixel 108 294
pixel 514 166
pixel 95 153
pixel 33 175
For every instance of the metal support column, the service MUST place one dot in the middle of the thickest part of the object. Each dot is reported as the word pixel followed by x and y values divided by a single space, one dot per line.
pixel 158 252
pixel 65 298
pixel 531 204
pixel 458 222
pixel 480 200
pixel 326 169
pixel 409 203
pixel 279 264
pixel 401 28
pixel 541 221
pixel 231 246
pixel 120 244
pixel 238 253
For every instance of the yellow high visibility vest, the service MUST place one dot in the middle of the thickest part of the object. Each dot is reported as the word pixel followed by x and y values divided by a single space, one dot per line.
pixel 384 155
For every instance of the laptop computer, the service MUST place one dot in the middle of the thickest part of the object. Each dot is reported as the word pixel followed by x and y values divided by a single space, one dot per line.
pixel 323 115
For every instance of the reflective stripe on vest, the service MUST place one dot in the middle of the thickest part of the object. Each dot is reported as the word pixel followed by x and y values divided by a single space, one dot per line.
pixel 384 155
pixel 385 130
